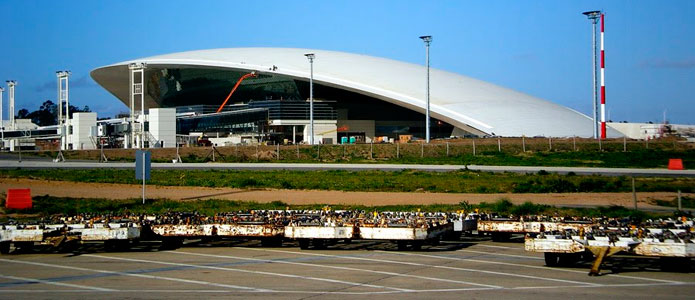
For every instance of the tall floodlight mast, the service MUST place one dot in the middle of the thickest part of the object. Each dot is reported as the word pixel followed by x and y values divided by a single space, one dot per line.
pixel 593 17
pixel 603 85
pixel 428 40
pixel 63 108
pixel 137 90
pixel 311 57
pixel 2 124
pixel 10 97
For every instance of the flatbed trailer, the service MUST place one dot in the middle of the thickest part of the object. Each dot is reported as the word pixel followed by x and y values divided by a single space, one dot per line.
pixel 562 249
pixel 173 235
pixel 415 236
pixel 67 236
pixel 502 229
pixel 317 235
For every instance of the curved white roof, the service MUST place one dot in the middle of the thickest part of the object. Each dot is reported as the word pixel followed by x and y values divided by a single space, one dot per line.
pixel 462 101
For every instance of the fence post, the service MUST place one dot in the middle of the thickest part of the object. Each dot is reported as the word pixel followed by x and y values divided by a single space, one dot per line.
pixel 499 145
pixel 371 150
pixel 550 144
pixel 447 149
pixel 574 142
pixel 680 207
pixel 257 152
pixel 422 150
pixel 624 143
pixel 634 194
pixel 318 152
pixel 277 151
pixel 474 147
pixel 523 143
pixel 398 150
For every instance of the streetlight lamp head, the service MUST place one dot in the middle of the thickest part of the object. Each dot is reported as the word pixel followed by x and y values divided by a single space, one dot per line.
pixel 310 56
pixel 426 38
pixel 594 14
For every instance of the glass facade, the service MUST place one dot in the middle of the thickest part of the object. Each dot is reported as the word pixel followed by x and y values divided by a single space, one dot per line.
pixel 281 97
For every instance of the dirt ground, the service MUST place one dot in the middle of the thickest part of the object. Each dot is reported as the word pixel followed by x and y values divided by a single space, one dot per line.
pixel 125 191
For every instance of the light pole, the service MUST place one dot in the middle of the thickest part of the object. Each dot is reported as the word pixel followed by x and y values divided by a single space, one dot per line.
pixel 10 97
pixel 311 56
pixel 63 108
pixel 2 125
pixel 593 17
pixel 427 39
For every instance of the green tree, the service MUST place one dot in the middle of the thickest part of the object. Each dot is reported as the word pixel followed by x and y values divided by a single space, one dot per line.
pixel 47 114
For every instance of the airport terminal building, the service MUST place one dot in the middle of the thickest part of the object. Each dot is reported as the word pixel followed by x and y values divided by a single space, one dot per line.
pixel 355 96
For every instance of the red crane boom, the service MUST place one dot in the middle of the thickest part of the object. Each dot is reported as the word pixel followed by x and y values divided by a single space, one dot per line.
pixel 252 74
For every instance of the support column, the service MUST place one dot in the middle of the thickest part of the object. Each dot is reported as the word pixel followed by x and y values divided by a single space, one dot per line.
pixel 137 92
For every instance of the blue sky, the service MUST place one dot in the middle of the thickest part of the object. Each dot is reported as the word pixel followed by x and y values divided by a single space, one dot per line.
pixel 542 48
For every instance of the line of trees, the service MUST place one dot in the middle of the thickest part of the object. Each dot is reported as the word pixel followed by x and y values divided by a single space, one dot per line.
pixel 47 114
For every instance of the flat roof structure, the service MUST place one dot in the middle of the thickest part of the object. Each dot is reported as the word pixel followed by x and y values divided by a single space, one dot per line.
pixel 469 104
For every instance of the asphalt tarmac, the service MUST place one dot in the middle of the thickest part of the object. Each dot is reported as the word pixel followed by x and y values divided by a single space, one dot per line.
pixel 473 268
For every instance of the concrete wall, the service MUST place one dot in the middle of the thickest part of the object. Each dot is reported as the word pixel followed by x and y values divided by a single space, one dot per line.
pixel 82 124
pixel 322 129
pixel 163 126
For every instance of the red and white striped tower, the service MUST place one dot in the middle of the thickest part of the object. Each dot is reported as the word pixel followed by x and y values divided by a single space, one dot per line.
pixel 603 86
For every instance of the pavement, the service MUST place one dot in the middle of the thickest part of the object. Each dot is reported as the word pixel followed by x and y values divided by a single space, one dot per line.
pixel 473 268
pixel 47 164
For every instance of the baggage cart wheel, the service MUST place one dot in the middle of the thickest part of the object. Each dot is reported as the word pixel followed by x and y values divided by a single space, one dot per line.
pixel 501 236
pixel 271 242
pixel 303 244
pixel 402 245
pixel 171 243
pixel 4 247
pixel 116 245
pixel 23 247
pixel 675 264
pixel 552 259
pixel 319 243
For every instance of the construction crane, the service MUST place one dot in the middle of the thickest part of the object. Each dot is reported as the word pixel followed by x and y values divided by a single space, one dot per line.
pixel 252 74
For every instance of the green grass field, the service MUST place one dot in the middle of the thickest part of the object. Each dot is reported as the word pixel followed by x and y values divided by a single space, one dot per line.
pixel 385 181
pixel 534 152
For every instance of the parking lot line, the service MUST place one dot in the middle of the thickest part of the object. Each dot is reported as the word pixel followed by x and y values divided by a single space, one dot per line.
pixel 601 286
pixel 500 254
pixel 533 267
pixel 434 266
pixel 79 286
pixel 132 274
pixel 250 271
pixel 227 291
pixel 331 267
pixel 493 246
